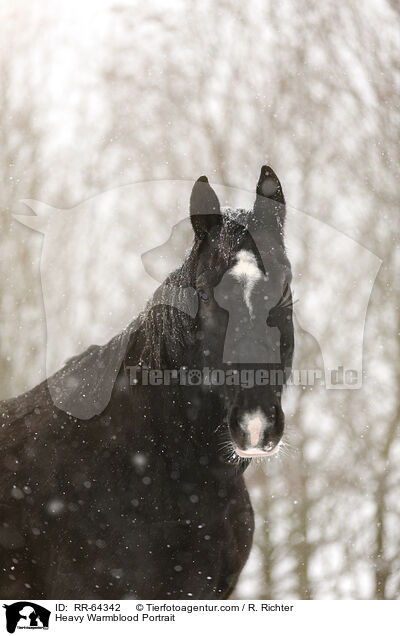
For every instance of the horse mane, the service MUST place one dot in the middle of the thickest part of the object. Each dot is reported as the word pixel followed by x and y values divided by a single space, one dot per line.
pixel 167 330
pixel 160 337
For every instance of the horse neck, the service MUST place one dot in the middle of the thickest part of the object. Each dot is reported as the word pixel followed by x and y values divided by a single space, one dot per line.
pixel 178 423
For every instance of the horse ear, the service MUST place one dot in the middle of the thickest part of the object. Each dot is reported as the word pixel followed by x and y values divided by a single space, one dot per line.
pixel 269 199
pixel 205 210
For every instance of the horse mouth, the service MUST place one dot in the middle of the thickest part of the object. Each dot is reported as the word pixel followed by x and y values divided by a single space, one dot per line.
pixel 256 452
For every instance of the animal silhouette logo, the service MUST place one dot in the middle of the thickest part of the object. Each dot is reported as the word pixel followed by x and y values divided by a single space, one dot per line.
pixel 76 241
pixel 26 615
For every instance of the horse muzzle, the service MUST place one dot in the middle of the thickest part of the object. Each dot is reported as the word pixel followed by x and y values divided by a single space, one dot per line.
pixel 257 433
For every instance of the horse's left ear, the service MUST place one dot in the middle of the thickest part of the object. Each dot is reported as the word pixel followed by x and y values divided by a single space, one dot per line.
pixel 269 199
pixel 205 210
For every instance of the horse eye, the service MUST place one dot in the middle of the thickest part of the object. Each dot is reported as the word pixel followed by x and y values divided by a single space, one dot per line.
pixel 204 296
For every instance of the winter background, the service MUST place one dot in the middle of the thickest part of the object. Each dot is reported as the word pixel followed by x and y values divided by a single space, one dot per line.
pixel 109 112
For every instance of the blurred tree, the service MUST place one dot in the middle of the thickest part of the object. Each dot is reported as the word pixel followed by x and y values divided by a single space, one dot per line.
pixel 20 139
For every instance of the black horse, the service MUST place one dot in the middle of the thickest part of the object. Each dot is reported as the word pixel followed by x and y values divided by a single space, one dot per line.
pixel 146 499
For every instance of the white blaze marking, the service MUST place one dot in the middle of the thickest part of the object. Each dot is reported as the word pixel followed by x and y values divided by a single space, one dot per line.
pixel 255 424
pixel 247 273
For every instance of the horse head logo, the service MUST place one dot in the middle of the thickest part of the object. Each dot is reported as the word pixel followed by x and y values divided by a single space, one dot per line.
pixel 26 614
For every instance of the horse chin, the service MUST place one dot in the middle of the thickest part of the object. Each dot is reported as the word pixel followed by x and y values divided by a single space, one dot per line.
pixel 248 453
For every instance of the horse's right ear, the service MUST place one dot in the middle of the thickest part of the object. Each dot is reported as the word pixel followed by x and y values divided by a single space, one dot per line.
pixel 270 202
pixel 205 210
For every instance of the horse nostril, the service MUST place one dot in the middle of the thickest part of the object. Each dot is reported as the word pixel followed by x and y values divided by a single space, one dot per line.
pixel 275 412
pixel 269 446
